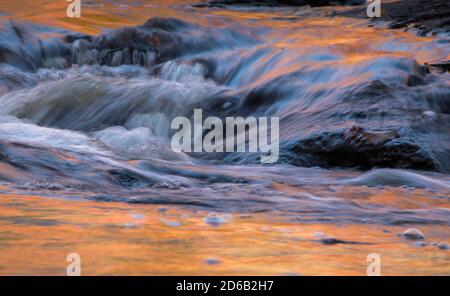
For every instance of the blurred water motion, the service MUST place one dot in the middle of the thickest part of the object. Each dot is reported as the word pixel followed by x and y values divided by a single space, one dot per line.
pixel 86 164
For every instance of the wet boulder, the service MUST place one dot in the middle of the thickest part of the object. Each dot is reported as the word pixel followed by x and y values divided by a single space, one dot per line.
pixel 358 148
pixel 441 67
pixel 156 41
pixel 141 45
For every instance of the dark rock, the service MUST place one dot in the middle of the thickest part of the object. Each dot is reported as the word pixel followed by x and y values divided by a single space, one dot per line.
pixel 424 15
pixel 335 241
pixel 156 41
pixel 128 178
pixel 3 155
pixel 77 36
pixel 441 67
pixel 358 148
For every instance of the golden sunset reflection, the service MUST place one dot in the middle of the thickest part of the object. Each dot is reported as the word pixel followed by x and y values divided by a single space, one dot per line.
pixel 37 233
pixel 53 187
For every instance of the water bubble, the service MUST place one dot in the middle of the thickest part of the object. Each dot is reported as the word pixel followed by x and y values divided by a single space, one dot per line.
pixel 137 216
pixel 319 234
pixel 172 223
pixel 216 219
pixel 226 105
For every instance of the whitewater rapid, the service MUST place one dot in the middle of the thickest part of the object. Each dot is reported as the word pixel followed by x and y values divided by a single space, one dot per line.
pixel 90 116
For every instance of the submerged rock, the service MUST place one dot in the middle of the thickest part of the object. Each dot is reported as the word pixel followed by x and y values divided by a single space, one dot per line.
pixel 413 234
pixel 335 241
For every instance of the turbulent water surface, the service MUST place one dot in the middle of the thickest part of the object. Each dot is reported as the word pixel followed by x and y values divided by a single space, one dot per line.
pixel 86 107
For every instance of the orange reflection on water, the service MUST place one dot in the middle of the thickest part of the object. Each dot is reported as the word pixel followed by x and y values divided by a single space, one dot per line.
pixel 37 233
pixel 95 16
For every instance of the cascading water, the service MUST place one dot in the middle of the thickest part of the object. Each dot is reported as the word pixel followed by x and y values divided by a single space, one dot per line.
pixel 89 115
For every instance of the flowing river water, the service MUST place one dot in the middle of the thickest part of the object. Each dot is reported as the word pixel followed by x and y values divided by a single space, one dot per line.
pixel 86 164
